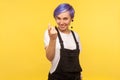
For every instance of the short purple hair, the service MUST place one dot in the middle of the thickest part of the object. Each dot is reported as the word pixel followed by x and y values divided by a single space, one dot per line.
pixel 64 7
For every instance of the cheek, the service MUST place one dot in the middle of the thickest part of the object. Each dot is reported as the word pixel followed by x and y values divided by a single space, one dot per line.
pixel 57 21
pixel 68 22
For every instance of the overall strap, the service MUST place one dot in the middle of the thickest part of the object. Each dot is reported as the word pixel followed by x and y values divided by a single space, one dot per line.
pixel 77 44
pixel 60 39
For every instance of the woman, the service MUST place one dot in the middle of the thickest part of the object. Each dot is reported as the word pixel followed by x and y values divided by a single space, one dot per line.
pixel 62 46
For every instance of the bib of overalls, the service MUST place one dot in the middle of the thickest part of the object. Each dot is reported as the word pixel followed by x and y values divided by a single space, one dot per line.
pixel 69 59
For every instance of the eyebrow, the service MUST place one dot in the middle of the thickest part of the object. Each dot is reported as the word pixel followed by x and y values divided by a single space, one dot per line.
pixel 58 17
pixel 63 17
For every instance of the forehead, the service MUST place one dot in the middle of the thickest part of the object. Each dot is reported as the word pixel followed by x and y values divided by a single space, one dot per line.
pixel 64 14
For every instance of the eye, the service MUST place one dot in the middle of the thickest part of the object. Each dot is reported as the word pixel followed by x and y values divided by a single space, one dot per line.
pixel 58 18
pixel 65 18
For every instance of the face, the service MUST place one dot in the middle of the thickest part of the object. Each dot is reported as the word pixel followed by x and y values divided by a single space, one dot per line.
pixel 63 21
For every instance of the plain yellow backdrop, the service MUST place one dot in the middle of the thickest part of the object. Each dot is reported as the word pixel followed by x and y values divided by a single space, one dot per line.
pixel 22 26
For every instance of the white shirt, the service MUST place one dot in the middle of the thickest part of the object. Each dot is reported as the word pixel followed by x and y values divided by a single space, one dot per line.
pixel 68 42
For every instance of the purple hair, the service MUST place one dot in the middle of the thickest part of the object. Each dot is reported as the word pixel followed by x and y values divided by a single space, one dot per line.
pixel 62 8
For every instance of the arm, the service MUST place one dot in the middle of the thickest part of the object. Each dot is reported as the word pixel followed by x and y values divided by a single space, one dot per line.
pixel 50 49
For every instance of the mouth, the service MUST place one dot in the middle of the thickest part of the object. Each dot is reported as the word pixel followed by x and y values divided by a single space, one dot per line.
pixel 62 26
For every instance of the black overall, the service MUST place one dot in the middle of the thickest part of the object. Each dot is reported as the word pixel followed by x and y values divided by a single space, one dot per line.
pixel 68 67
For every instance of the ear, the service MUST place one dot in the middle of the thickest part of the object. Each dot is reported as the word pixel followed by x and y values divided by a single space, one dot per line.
pixel 72 20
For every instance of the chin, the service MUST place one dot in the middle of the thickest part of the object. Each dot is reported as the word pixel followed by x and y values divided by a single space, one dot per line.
pixel 62 28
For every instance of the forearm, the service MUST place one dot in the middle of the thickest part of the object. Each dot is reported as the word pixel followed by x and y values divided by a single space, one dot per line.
pixel 50 50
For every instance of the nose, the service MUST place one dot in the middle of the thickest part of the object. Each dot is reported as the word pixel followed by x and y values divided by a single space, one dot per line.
pixel 61 22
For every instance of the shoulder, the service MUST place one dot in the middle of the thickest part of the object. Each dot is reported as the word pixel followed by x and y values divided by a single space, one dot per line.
pixel 76 34
pixel 46 31
pixel 46 36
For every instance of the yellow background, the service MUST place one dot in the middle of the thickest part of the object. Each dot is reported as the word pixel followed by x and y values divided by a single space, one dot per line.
pixel 22 26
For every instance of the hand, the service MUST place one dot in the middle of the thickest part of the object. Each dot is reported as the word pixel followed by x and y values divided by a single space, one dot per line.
pixel 52 32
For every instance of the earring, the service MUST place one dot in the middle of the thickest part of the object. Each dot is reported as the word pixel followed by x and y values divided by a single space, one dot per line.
pixel 72 26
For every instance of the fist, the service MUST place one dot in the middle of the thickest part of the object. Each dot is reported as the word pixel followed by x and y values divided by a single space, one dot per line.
pixel 52 32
